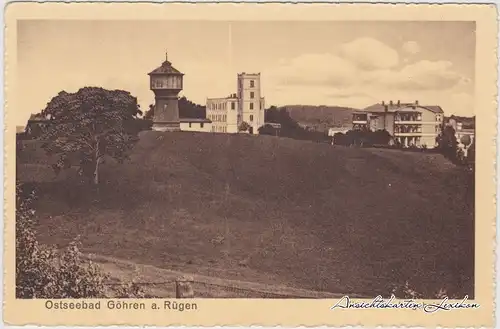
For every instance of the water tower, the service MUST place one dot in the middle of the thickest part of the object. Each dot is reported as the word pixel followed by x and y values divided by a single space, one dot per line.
pixel 166 83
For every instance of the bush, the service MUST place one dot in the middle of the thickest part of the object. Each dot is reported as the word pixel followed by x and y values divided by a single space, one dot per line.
pixel 267 129
pixel 244 127
pixel 43 272
pixel 362 138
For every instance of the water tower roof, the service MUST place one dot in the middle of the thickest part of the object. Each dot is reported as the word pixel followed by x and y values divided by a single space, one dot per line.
pixel 166 68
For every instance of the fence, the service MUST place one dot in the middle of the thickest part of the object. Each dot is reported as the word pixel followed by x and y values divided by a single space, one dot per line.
pixel 186 287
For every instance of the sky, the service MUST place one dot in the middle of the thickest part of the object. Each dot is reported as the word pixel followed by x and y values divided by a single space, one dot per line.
pixel 351 63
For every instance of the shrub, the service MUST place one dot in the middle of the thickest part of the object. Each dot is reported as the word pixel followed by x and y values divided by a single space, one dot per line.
pixel 43 272
pixel 244 127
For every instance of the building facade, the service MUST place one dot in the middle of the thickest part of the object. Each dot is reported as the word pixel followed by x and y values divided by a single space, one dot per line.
pixel 247 105
pixel 410 124
pixel 224 113
pixel 196 124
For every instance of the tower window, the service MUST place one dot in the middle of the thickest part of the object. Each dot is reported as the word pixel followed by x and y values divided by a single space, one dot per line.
pixel 252 83
pixel 251 106
pixel 252 94
pixel 233 104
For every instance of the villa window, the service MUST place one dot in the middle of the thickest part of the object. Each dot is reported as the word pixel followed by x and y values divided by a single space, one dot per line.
pixel 252 83
pixel 252 94
pixel 251 106
pixel 190 125
pixel 233 105
pixel 251 118
pixel 201 124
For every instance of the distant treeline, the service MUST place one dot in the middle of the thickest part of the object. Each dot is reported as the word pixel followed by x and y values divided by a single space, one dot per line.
pixel 289 127
pixel 362 138
pixel 187 109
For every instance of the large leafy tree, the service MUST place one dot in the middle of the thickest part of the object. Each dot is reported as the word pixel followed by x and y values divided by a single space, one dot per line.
pixel 90 124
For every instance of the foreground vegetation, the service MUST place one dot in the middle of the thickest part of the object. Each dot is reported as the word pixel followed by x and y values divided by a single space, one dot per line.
pixel 45 272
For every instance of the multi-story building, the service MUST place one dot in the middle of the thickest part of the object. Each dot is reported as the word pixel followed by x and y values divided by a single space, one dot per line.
pixel 247 105
pixel 408 123
pixel 224 114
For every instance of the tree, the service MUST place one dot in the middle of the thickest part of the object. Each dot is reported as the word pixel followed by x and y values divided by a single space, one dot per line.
pixel 187 109
pixel 447 143
pixel 267 129
pixel 340 139
pixel 381 137
pixel 471 154
pixel 149 115
pixel 90 124
pixel 244 127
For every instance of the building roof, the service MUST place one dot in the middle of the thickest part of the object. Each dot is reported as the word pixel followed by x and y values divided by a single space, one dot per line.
pixel 249 74
pixel 166 68
pixel 379 108
pixel 230 97
pixel 195 120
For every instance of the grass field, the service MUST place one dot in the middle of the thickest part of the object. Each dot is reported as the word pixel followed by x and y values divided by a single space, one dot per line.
pixel 271 210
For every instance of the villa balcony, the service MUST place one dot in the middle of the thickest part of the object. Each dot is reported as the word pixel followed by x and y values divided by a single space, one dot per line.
pixel 361 122
pixel 416 122
pixel 414 134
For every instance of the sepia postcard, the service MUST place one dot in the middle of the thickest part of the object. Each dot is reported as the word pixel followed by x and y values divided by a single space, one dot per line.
pixel 250 164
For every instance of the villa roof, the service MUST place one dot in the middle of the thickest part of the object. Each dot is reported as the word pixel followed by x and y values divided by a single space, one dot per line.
pixel 166 68
pixel 195 120
pixel 379 108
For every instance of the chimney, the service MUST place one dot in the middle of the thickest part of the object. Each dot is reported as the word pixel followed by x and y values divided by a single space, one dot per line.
pixel 383 103
pixel 416 102
pixel 390 102
pixel 166 55
pixel 399 102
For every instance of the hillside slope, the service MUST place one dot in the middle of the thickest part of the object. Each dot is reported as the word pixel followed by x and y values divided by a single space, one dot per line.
pixel 274 210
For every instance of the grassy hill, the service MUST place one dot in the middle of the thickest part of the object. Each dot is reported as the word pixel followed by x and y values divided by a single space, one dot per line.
pixel 320 118
pixel 271 210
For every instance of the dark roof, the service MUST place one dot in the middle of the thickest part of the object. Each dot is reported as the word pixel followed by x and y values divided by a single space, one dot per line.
pixel 194 120
pixel 395 107
pixel 166 68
